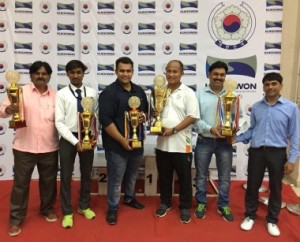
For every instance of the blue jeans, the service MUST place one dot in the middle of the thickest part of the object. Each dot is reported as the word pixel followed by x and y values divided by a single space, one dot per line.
pixel 121 168
pixel 205 148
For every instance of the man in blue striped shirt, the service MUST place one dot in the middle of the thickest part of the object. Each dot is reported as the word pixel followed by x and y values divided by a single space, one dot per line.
pixel 274 122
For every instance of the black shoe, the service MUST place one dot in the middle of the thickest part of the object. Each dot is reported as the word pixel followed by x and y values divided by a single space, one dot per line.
pixel 162 210
pixel 226 213
pixel 135 204
pixel 111 217
pixel 185 216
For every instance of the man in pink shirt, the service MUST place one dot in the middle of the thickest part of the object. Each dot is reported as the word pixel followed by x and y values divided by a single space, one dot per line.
pixel 34 145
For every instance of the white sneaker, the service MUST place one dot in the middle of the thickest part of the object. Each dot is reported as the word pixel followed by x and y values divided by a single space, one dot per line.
pixel 247 224
pixel 273 229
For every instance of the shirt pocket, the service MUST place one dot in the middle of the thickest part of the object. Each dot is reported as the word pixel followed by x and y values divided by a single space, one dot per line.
pixel 48 110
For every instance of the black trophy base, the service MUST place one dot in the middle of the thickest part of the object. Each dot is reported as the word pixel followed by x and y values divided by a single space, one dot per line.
pixel 17 124
pixel 226 132
pixel 135 144
pixel 156 130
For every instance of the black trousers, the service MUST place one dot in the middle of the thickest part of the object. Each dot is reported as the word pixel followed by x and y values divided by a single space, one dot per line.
pixel 181 163
pixel 259 159
pixel 67 153
pixel 24 163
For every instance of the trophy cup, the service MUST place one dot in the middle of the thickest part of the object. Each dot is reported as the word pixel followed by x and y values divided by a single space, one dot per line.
pixel 229 102
pixel 15 95
pixel 159 99
pixel 132 118
pixel 87 120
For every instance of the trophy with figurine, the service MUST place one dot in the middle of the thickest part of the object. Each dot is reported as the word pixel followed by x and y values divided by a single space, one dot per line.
pixel 132 120
pixel 87 125
pixel 15 95
pixel 160 94
pixel 228 109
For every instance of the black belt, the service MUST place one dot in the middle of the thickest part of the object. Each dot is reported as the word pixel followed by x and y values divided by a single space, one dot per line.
pixel 210 138
pixel 270 148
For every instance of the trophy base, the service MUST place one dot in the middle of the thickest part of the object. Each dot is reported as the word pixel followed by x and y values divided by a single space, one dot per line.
pixel 86 146
pixel 17 124
pixel 156 130
pixel 135 144
pixel 226 132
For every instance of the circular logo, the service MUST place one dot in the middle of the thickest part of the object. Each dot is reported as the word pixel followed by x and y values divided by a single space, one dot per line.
pixel 167 48
pixel 3 87
pixel 45 28
pixel 2 170
pixel 85 48
pixel 168 6
pixel 126 28
pixel 3 46
pixel 88 68
pixel 3 128
pixel 231 26
pixel 85 27
pixel 2 149
pixel 45 7
pixel 126 7
pixel 126 48
pixel 3 66
pixel 3 26
pixel 168 27
pixel 85 7
pixel 3 5
pixel 45 48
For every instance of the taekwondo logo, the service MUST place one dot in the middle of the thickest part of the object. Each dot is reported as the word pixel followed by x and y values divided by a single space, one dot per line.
pixel 65 29
pixel 23 7
pixel 272 48
pixel 106 49
pixel 85 48
pixel 188 28
pixel 65 8
pixel 188 49
pixel 232 26
pixel 3 5
pixel 146 70
pixel 67 50
pixel 106 29
pixel 274 5
pixel 146 49
pixel 85 27
pixel 106 8
pixel 45 28
pixel 189 7
pixel 126 6
pixel 3 26
pixel 3 128
pixel 168 6
pixel 45 7
pixel 23 28
pixel 167 48
pixel 126 48
pixel 126 28
pixel 61 71
pixel 146 7
pixel 23 48
pixel 168 27
pixel 190 70
pixel 45 48
pixel 3 87
pixel 146 28
pixel 85 7
pixel 3 46
pixel 2 150
pixel 105 69
pixel 271 67
pixel 2 170
pixel 273 26
pixel 22 68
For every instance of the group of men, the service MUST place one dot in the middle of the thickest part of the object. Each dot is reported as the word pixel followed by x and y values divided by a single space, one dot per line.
pixel 274 123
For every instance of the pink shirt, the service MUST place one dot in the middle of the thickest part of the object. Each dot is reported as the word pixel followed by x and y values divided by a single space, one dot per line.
pixel 40 135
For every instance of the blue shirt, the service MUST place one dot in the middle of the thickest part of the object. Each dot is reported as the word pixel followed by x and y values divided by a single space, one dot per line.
pixel 274 125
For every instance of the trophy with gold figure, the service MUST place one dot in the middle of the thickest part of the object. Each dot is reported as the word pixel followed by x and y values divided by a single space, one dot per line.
pixel 15 95
pixel 228 109
pixel 160 95
pixel 87 120
pixel 132 120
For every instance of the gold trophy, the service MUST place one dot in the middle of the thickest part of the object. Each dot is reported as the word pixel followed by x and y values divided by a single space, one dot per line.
pixel 229 103
pixel 15 95
pixel 160 95
pixel 132 118
pixel 87 120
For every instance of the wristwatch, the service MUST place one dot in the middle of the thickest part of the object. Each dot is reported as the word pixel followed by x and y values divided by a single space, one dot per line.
pixel 175 131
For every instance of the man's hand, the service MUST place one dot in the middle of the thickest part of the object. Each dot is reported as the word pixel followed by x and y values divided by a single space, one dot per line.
pixel 167 132
pixel 125 144
pixel 79 147
pixel 11 109
pixel 216 132
pixel 288 168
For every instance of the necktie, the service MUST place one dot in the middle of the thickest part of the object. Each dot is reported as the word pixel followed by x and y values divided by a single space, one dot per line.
pixel 79 98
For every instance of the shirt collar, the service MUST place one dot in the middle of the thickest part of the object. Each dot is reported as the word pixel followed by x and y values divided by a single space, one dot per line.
pixel 75 88
pixel 279 100
pixel 208 89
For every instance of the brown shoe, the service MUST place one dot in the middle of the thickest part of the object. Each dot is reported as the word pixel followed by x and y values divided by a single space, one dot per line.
pixel 14 230
pixel 51 217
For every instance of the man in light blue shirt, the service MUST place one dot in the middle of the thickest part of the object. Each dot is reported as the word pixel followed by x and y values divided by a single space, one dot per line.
pixel 274 122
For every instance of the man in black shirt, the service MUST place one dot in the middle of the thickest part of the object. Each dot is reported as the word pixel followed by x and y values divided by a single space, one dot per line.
pixel 123 161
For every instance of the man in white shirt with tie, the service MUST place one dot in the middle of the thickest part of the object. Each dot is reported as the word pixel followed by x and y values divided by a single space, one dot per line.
pixel 68 104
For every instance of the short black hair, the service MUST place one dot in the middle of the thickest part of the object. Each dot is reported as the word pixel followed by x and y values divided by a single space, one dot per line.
pixel 73 64
pixel 179 62
pixel 218 64
pixel 272 76
pixel 35 66
pixel 124 60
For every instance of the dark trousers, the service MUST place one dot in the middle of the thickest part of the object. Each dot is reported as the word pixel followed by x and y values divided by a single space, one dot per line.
pixel 67 153
pixel 24 163
pixel 167 163
pixel 259 159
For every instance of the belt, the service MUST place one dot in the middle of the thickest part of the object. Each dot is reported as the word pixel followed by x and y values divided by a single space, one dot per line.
pixel 270 148
pixel 210 138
